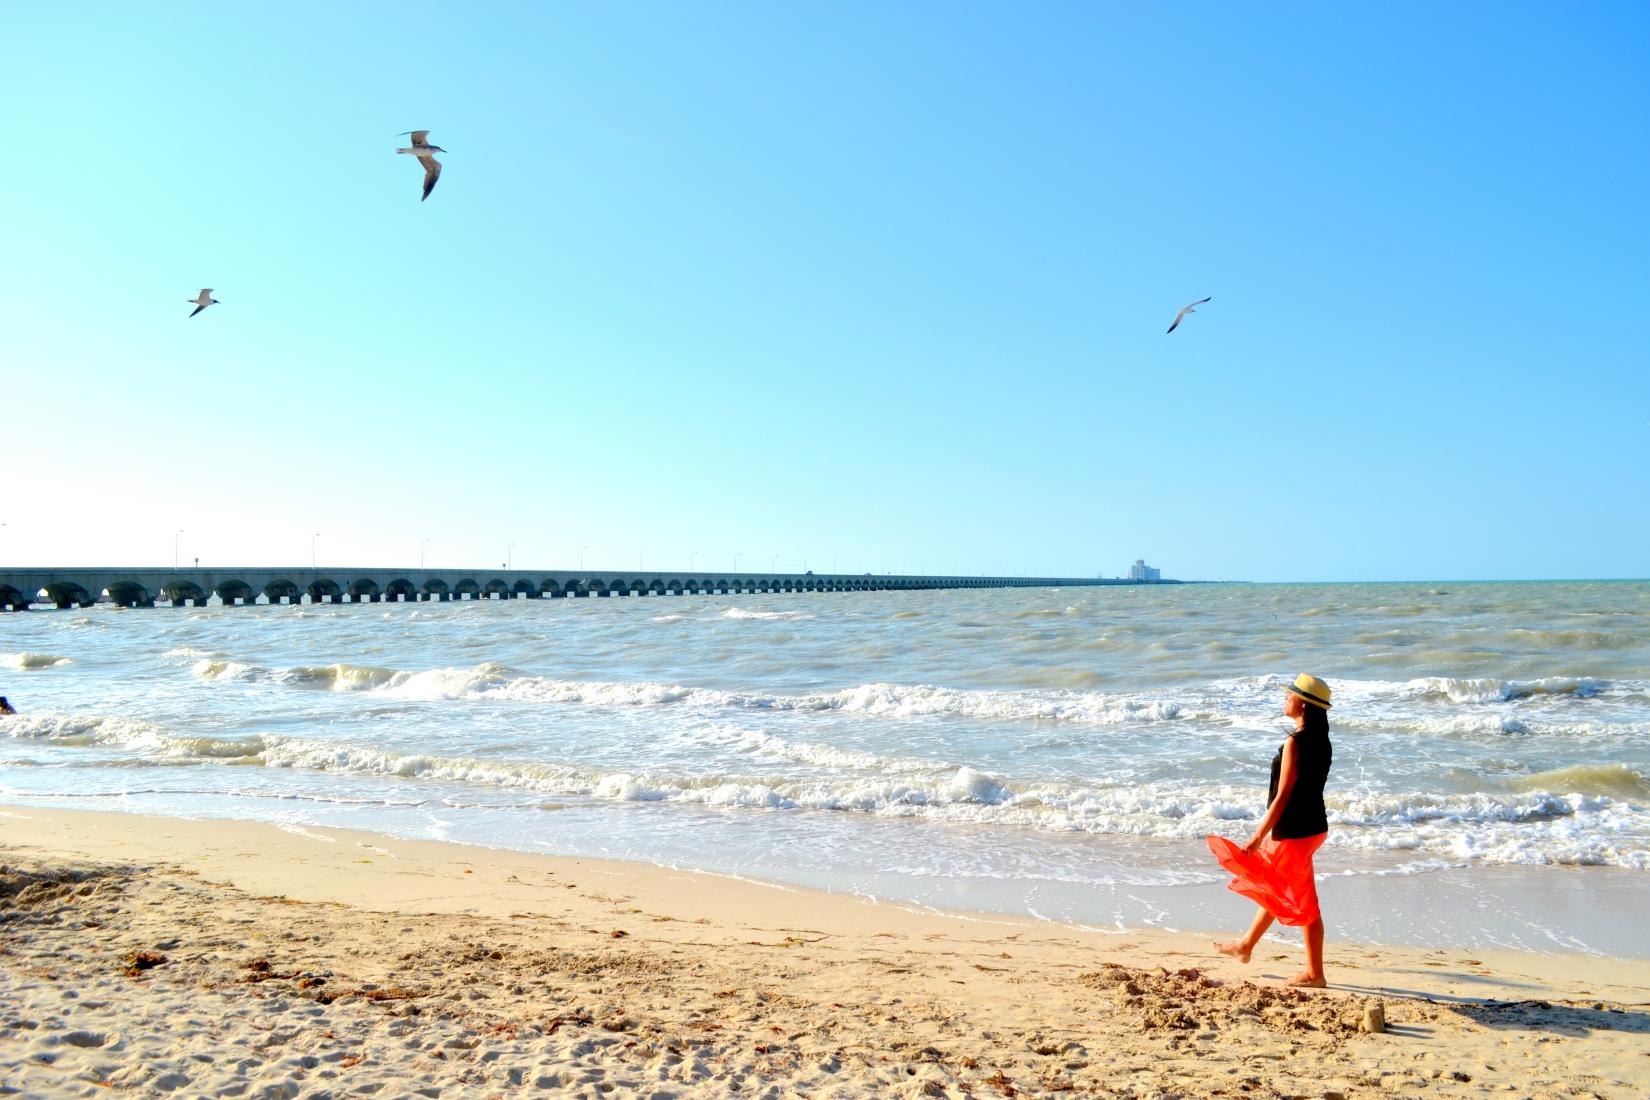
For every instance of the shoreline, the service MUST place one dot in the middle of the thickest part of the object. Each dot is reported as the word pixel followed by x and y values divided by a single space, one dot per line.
pixel 708 982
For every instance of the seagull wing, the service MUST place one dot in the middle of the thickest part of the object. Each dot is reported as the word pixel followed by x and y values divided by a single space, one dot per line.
pixel 1187 310
pixel 432 172
pixel 418 136
pixel 197 310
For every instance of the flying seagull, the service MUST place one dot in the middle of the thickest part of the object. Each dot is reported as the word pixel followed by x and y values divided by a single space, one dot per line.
pixel 204 300
pixel 1189 309
pixel 425 152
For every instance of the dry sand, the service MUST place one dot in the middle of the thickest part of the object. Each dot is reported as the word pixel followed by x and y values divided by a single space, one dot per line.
pixel 210 958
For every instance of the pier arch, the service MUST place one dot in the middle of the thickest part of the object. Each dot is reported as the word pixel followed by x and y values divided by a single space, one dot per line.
pixel 12 599
pixel 123 594
pixel 496 588
pixel 67 594
pixel 277 590
pixel 184 593
pixel 467 589
pixel 524 590
pixel 436 589
pixel 230 592
pixel 400 590
pixel 324 590
pixel 364 590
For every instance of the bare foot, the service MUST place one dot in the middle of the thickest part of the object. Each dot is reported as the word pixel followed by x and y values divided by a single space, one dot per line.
pixel 1236 950
pixel 1304 980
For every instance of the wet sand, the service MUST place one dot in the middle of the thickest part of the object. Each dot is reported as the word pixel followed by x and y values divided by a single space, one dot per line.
pixel 218 958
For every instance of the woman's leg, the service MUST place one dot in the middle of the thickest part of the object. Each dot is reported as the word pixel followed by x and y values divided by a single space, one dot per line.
pixel 1313 974
pixel 1241 949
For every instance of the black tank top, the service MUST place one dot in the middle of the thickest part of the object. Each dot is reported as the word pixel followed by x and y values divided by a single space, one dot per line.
pixel 1304 814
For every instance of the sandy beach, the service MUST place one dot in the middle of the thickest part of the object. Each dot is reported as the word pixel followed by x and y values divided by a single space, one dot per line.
pixel 215 958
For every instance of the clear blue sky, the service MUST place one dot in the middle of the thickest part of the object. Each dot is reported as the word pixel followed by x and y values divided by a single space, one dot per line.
pixel 878 285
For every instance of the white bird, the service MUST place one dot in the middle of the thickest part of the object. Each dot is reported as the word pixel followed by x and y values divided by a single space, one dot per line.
pixel 203 301
pixel 1189 309
pixel 424 151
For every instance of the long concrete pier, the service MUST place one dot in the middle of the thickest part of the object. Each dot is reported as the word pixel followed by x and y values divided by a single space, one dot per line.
pixel 21 589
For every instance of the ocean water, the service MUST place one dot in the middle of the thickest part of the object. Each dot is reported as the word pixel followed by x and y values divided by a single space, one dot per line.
pixel 1058 752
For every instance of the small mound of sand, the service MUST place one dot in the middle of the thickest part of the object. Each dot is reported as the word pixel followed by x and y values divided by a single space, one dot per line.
pixel 1190 1000
pixel 46 895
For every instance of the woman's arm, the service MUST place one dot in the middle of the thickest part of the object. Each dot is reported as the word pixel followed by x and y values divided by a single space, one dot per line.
pixel 1286 784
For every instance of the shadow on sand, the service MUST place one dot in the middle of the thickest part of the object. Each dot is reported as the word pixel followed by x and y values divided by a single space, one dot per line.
pixel 1562 1017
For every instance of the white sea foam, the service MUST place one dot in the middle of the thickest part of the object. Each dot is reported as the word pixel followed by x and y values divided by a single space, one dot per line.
pixel 876 700
pixel 741 613
pixel 756 742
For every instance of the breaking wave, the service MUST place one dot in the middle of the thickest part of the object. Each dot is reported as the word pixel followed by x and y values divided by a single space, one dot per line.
pixel 28 662
pixel 495 682
pixel 1506 691
pixel 117 731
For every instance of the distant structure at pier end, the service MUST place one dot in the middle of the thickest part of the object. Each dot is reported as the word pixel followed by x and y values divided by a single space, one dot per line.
pixel 1142 572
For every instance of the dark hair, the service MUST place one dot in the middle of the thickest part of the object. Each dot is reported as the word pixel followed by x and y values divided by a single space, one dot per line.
pixel 1314 719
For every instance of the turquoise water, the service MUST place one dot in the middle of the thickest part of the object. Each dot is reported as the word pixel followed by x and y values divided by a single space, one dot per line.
pixel 1041 750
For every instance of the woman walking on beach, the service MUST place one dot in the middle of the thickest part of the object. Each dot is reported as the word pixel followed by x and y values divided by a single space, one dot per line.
pixel 1275 868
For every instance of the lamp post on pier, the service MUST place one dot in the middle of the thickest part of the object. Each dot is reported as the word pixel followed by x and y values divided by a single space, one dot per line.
pixel 175 535
pixel 421 546
pixel 312 539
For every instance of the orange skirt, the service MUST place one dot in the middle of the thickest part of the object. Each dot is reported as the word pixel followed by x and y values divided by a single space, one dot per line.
pixel 1278 877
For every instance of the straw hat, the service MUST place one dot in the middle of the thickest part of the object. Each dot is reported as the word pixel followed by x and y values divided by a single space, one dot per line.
pixel 1310 688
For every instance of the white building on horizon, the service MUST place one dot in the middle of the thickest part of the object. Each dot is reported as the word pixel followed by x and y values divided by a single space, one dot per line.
pixel 1140 571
